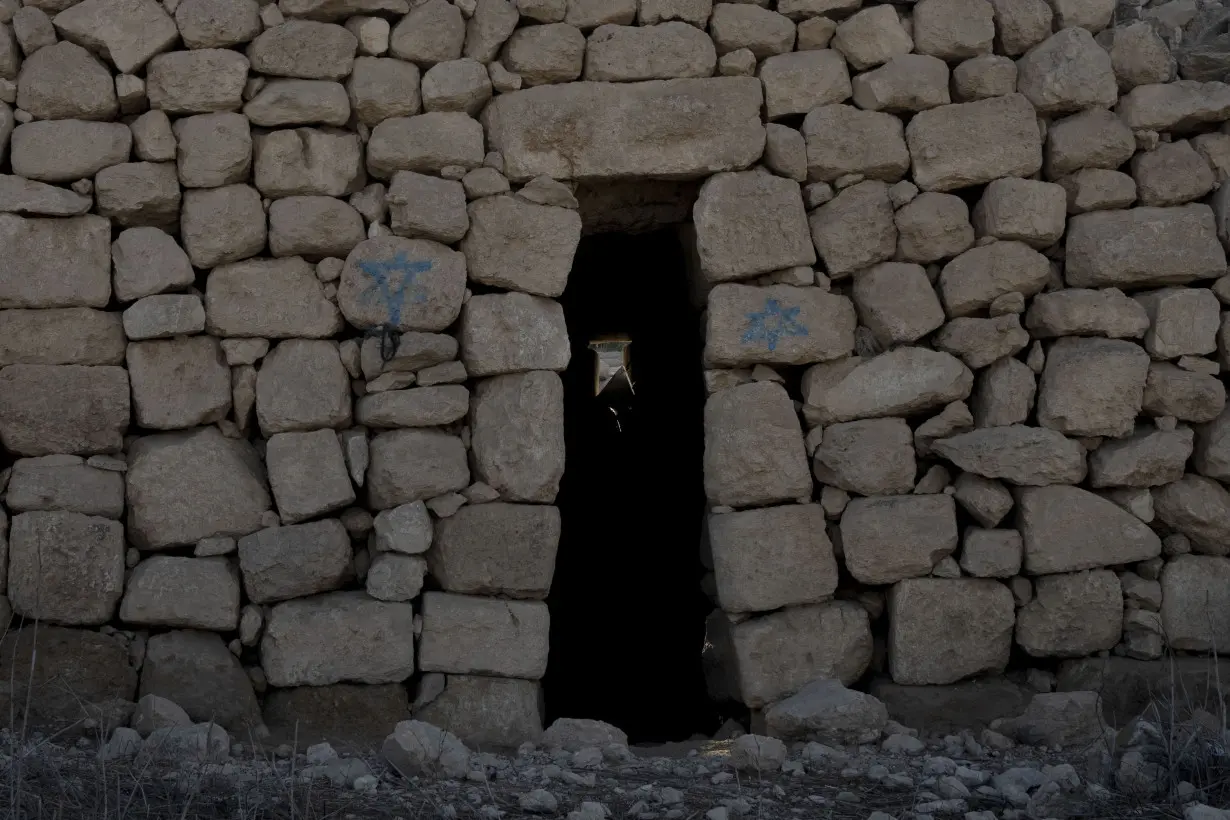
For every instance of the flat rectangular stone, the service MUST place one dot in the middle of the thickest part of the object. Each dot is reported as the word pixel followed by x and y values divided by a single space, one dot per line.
pixel 484 636
pixel 46 409
pixel 50 263
pixel 64 336
pixel 677 129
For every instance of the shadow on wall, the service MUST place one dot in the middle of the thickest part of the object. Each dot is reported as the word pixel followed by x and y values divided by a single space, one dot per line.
pixel 627 611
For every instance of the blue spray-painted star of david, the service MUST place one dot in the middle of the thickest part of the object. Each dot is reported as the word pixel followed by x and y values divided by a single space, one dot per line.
pixel 392 290
pixel 773 323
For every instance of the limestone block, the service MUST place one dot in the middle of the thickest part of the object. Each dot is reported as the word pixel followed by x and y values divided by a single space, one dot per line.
pixel 217 23
pixel 431 33
pixel 1025 210
pixel 29 198
pixel 978 78
pixel 1199 508
pixel 427 207
pixel 1067 72
pixel 413 465
pixel 650 12
pixel 67 150
pixel 798 82
pixel 886 539
pixel 555 53
pixel 485 712
pixel 750 223
pixel 148 261
pixel 1092 387
pixel 871 37
pixel 127 32
pixel 304 49
pixel 1171 174
pixel 469 635
pixel 405 284
pixel 978 277
pixel 382 87
pixel 906 83
pixel 417 407
pixel 393 577
pixel 1212 456
pixel 769 558
pixel 294 561
pixel 138 193
pixel 1148 458
pixel 670 128
pixel 1066 529
pixel 197 82
pixel 339 636
pixel 1086 312
pixel 302 385
pixel 1183 322
pixel 842 246
pixel 198 673
pixel 490 26
pixel 1139 56
pixel 152 137
pixel 754 452
pixel 785 152
pixel 633 54
pixel 66 82
pixel 64 483
pixel 738 25
pixel 51 263
pixel 188 593
pixel 953 29
pixel 1096 189
pixel 901 382
pixel 896 301
pixel 222 225
pixel 842 139
pixel 522 245
pixel 943 630
pixel 517 438
pixel 425 143
pixel 513 332
pixel 932 227
pixel 1188 396
pixel 307 474
pixel 269 298
pixel 956 146
pixel 776 655
pixel 1021 24
pixel 776 324
pixel 307 162
pixel 179 383
pixel 496 549
pixel 405 529
pixel 457 85
pixel 65 567
pixel 1072 615
pixel 47 409
pixel 991 553
pixel 986 500
pixel 980 342
pixel 869 457
pixel 1004 394
pixel 1195 592
pixel 213 150
pixel 299 102
pixel 1095 138
pixel 313 227
pixel 1030 456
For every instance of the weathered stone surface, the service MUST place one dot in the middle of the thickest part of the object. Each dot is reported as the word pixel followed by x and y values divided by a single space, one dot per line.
pixel 221 225
pixel 1199 508
pixel 269 298
pixel 887 539
pixel 1188 396
pixel 1147 458
pixel 895 301
pixel 339 636
pixel 1195 602
pixel 127 32
pixel 1177 106
pixel 798 82
pixel 164 316
pixel 467 635
pixel 1183 322
pixel 932 227
pixel 842 139
pixel 943 630
pixel 428 207
pixel 424 143
pixel 183 487
pixel 991 553
pixel 980 342
pixel 457 85
pixel 513 332
pixel 382 87
pixel 294 561
pixel 485 712
pixel 846 248
pixel 754 451
pixel 65 568
pixel 29 198
pixel 307 162
pixel 613 131
pixel 406 284
pixel 496 549
pixel 138 193
pixel 871 37
pixel 299 102
pixel 826 712
pixel 1026 210
pixel 217 23
pixel 903 381
pixel 1072 615
pixel 735 26
pixel 981 275
pixel 1092 387
pixel 413 465
pixel 189 593
pixel 302 385
pixel 316 714
pixel 953 29
pixel 1067 72
pixel 1030 456
pixel 64 483
pixel 432 33
pixel 148 261
pixel 1004 394
pixel 1086 312
pixel 986 500
pixel 524 246
pixel 1095 138
pixel 66 82
pixel 1139 247
pixel 776 324
pixel 1096 189
pixel 307 475
pixel 956 146
pixel 988 75
pixel 47 409
pixel 770 558
pixel 1171 174
pixel 633 54
pixel 749 223
pixel 417 407
pixel 64 336
pixel 555 53
pixel 395 577
pixel 179 383
pixel 1066 529
pixel 869 457
pixel 54 262
pixel 313 227
pixel 67 150
pixel 906 83
pixel 1212 449
pixel 305 49
pixel 197 82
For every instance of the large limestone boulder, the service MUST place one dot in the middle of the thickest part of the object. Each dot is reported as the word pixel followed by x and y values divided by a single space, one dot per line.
pixel 1188 396
pixel 827 712
pixel 1196 602
pixel 432 33
pixel 294 561
pixel 1199 508
pixel 427 207
pixel 1067 72
pixel 982 342
pixel 339 636
pixel 932 227
pixel 404 284
pixel 905 84
pixel 555 53
pixel 67 150
pixel 1177 106
pixel 517 439
pixel 183 487
pixel 1140 247
pixel 796 83
pixel 221 225
pixel 646 52
pixel 754 452
pixel 1147 458
pixel 953 29
pixel 467 635
pixel 485 712
pixel 127 32
pixel 415 465
pixel 179 383
pixel 1092 387
pixel 269 298
pixel 855 230
pixel 511 333
pixel 47 409
pixel 197 82
pixel 496 549
pixel 522 245
pixel 1094 138
pixel 868 457
pixel 980 275
pixel 1066 529
pixel 65 567
pixel 895 300
pixel 769 558
pixel 138 193
pixel 313 227
pixel 904 381
pixel 187 593
pixel 417 407
pixel 1182 322
pixel 943 630
pixel 308 162
pixel 1030 456
pixel 64 483
pixel 53 263
pixel 148 261
pixel 779 324
pixel 425 143
pixel 1072 615
pixel 302 385
pixel 1026 210
pixel 307 474
pixel 381 87
pixel 65 81
pixel 750 223
pixel 1212 448
pixel 29 198
pixel 678 128
pixel 198 673
pixel 217 23
pixel 956 146
pixel 305 49
pixel 842 139
pixel 888 538
pixel 1086 312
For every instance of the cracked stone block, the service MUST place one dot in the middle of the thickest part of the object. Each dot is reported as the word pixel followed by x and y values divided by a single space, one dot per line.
pixel 517 439
pixel 496 549
pixel 65 568
pixel 64 483
pixel 463 634
pixel 186 593
pixel 754 453
pixel 750 223
pixel 888 538
pixel 293 561
pixel 307 475
pixel 521 245
pixel 46 409
pixel 308 162
pixel 943 630
pixel 179 383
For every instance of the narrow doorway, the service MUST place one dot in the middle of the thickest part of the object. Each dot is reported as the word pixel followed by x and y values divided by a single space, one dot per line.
pixel 627 610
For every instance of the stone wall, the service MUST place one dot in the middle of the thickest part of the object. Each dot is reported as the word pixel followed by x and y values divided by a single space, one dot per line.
pixel 279 346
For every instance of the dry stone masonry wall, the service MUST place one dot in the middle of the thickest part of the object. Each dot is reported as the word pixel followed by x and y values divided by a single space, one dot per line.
pixel 279 345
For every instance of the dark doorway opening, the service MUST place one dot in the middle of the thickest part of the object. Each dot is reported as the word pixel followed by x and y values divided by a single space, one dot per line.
pixel 627 609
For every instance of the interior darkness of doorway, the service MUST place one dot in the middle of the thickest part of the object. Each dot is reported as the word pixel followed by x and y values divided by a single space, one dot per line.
pixel 627 610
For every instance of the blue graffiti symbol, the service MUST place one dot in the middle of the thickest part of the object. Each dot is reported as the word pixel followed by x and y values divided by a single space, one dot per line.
pixel 393 289
pixel 772 323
